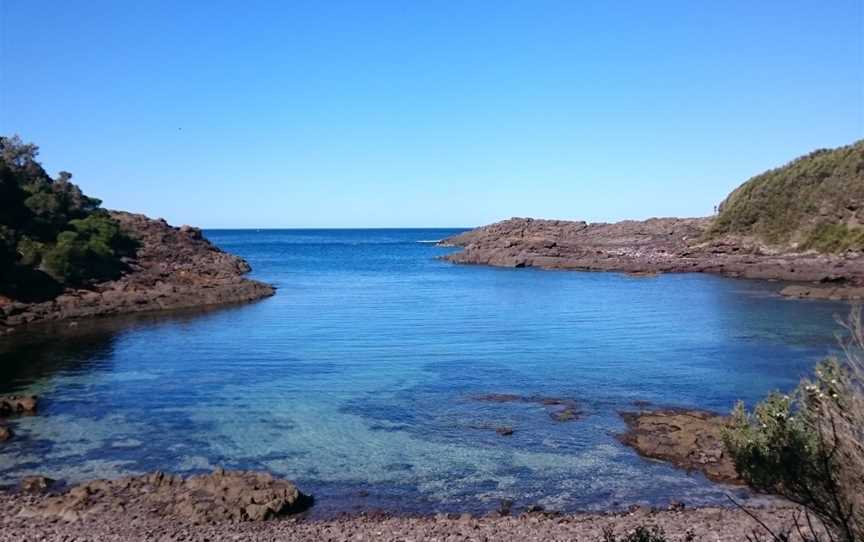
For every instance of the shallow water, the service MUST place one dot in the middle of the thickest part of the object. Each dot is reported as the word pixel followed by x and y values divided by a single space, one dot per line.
pixel 359 378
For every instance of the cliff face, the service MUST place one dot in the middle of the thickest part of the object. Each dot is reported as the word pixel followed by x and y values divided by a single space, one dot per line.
pixel 172 268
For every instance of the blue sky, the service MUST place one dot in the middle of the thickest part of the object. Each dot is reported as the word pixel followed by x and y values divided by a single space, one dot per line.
pixel 426 113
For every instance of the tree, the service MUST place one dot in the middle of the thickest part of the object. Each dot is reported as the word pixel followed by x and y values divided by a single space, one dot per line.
pixel 50 226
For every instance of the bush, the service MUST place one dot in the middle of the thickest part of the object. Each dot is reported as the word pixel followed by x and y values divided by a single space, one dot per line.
pixel 790 203
pixel 49 226
pixel 30 252
pixel 90 251
pixel 809 446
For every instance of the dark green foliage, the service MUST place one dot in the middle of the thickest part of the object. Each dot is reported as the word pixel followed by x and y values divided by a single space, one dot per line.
pixel 49 226
pixel 791 203
pixel 7 250
pixel 87 251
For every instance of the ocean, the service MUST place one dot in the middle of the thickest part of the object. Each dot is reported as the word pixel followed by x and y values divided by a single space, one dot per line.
pixel 361 378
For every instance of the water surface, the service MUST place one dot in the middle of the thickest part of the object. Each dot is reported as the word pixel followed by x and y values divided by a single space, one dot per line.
pixel 359 378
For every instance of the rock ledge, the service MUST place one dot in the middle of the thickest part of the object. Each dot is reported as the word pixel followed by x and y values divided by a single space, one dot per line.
pixel 220 496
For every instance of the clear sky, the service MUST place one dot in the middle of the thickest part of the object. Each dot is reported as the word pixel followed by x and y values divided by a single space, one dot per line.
pixel 426 113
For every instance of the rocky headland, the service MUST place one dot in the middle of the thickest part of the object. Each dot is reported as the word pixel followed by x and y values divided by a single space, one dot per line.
pixel 172 268
pixel 802 223
pixel 659 245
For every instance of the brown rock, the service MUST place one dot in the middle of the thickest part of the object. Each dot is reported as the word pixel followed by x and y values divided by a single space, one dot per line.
pixel 220 496
pixel 560 410
pixel 690 439
pixel 173 268
pixel 35 484
pixel 823 292
pixel 18 404
pixel 649 247
pixel 5 433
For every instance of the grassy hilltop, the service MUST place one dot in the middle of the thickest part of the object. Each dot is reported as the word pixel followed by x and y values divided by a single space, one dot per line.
pixel 814 202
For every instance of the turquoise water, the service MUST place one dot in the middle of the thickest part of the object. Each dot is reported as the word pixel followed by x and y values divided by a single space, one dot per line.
pixel 359 378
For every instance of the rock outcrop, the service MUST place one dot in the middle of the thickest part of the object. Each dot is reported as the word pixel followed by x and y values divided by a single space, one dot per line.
pixel 18 404
pixel 657 245
pixel 173 268
pixel 35 484
pixel 220 496
pixel 689 439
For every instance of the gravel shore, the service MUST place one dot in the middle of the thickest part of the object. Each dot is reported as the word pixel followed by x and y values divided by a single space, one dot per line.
pixel 700 524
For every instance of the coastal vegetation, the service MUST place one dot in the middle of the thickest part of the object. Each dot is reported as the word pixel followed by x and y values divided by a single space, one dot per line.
pixel 51 234
pixel 808 446
pixel 813 202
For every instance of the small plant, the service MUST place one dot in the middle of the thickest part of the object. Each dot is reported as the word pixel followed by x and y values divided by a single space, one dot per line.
pixel 642 533
pixel 809 446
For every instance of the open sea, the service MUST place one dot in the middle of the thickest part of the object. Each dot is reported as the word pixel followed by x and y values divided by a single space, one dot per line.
pixel 359 379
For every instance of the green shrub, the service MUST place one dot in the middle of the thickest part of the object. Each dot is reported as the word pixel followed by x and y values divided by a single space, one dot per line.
pixel 809 446
pixel 30 252
pixel 782 205
pixel 90 251
pixel 49 226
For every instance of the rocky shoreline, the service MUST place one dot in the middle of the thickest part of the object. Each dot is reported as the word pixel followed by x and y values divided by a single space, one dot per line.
pixel 141 520
pixel 174 268
pixel 657 245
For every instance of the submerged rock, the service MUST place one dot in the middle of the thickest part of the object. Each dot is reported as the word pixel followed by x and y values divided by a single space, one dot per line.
pixel 504 430
pixel 560 410
pixel 219 496
pixel 5 433
pixel 690 439
pixel 18 404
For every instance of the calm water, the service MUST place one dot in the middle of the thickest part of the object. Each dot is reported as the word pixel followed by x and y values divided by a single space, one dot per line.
pixel 357 379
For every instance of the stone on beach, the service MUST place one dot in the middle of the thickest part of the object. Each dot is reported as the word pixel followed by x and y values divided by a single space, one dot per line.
pixel 35 484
